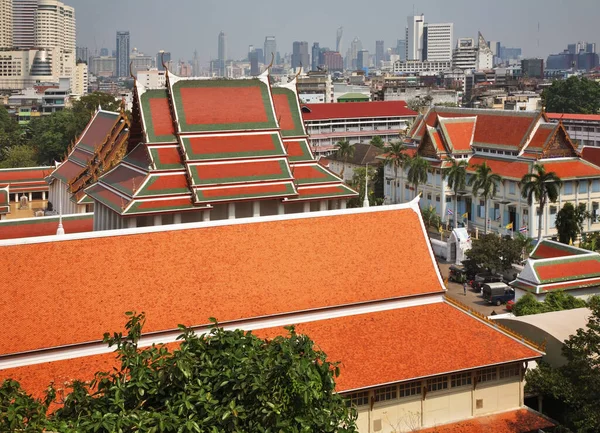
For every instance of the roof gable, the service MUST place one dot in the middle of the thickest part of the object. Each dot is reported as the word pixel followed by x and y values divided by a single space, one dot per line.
pixel 458 133
pixel 547 249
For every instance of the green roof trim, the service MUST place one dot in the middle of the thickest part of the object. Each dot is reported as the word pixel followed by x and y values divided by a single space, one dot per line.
pixel 304 147
pixel 147 191
pixel 289 190
pixel 294 110
pixel 147 113
pixel 277 150
pixel 163 166
pixel 220 83
pixel 136 207
pixel 282 174
pixel 342 191
pixel 329 177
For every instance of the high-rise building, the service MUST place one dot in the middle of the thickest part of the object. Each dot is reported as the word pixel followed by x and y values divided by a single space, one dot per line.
pixel 438 42
pixel 352 53
pixel 196 64
pixel 222 53
pixel 270 49
pixel 6 23
pixel 401 49
pixel 465 54
pixel 379 53
pixel 163 56
pixel 23 23
pixel 362 60
pixel 122 54
pixel 485 57
pixel 532 68
pixel 338 39
pixel 414 37
pixel 333 61
pixel 103 52
pixel 300 54
pixel 81 54
pixel 315 56
pixel 80 86
pixel 253 58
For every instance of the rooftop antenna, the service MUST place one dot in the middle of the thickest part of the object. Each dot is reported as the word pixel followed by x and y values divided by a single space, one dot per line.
pixel 60 231
pixel 366 199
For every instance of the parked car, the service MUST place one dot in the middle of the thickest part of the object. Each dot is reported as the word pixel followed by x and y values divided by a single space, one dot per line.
pixel 510 304
pixel 457 274
pixel 483 278
pixel 498 293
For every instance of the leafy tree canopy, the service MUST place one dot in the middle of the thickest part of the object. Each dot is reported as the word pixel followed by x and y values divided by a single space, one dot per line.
pixel 225 381
pixel 19 156
pixel 377 141
pixel 569 221
pixel 574 388
pixel 573 95
pixel 494 253
pixel 554 301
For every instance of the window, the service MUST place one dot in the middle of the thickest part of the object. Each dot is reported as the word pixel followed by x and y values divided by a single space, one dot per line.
pixel 594 211
pixel 507 371
pixel 487 375
pixel 553 211
pixel 511 187
pixel 596 185
pixel 437 384
pixel 410 388
pixel 387 393
pixel 429 196
pixel 583 187
pixel 461 379
pixel 568 187
pixel 437 198
pixel 448 199
pixel 358 398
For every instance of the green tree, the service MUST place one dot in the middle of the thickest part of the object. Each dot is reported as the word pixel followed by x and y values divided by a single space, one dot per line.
pixel 456 174
pixel 378 142
pixel 10 132
pixel 418 167
pixel 540 186
pixel 528 305
pixel 396 157
pixel 525 243
pixel 569 222
pixel 51 135
pixel 358 183
pixel 493 253
pixel 19 156
pixel 485 185
pixel 555 301
pixel 590 241
pixel 431 218
pixel 573 95
pixel 345 151
pixel 224 381
pixel 574 388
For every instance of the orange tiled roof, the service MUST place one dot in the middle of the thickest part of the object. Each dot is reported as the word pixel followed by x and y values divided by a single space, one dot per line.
pixel 547 249
pixel 363 345
pixel 28 178
pixel 517 421
pixel 29 228
pixel 505 168
pixel 571 168
pixel 156 273
pixel 541 137
pixel 566 116
pixel 458 132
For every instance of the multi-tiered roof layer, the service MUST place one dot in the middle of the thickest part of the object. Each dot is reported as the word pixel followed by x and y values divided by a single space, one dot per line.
pixel 200 142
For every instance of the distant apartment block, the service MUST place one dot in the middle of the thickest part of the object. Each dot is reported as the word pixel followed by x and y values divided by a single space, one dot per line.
pixel 438 41
pixel 152 79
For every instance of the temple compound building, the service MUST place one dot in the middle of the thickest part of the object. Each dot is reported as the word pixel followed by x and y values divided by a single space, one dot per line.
pixel 510 143
pixel 410 359
pixel 213 149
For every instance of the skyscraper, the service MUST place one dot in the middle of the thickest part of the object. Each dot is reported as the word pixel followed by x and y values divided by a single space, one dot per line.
pixel 122 54
pixel 338 39
pixel 414 37
pixel 253 57
pixel 270 49
pixel 81 54
pixel 401 49
pixel 222 53
pixel 300 54
pixel 23 23
pixel 352 54
pixel 6 23
pixel 163 56
pixel 196 64
pixel 103 52
pixel 362 60
pixel 315 56
pixel 379 53
pixel 438 42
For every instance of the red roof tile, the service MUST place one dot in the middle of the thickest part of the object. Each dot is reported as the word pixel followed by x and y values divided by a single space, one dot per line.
pixel 571 168
pixel 97 131
pixel 584 266
pixel 539 140
pixel 518 421
pixel 591 154
pixel 583 117
pixel 233 146
pixel 161 116
pixel 14 176
pixel 166 158
pixel 245 171
pixel 365 340
pixel 549 249
pixel 245 192
pixel 505 168
pixel 46 226
pixel 436 137
pixel 458 133
pixel 156 273
pixel 354 110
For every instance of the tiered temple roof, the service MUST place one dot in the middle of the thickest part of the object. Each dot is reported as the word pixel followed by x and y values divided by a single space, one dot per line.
pixel 4 200
pixel 102 144
pixel 29 179
pixel 45 226
pixel 202 141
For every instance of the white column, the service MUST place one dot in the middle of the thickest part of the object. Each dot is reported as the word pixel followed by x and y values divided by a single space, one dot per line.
pixel 158 220
pixel 206 215
pixel 30 197
pixel 306 206
pixel 256 209
pixel 342 204
pixel 231 211
pixel 43 195
pixel 132 222
pixel 177 218
pixel 280 209
pixel 323 205
pixel 16 197
pixel 101 217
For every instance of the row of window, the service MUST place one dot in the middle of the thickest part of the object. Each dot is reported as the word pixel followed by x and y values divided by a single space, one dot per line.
pixel 495 151
pixel 440 383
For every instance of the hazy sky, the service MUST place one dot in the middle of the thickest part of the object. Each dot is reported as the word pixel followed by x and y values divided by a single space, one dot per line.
pixel 180 26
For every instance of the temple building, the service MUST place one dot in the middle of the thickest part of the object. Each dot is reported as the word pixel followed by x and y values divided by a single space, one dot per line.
pixel 410 359
pixel 510 143
pixel 211 149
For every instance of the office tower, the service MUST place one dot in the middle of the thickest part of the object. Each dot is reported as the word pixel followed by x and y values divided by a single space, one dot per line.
pixel 23 23
pixel 300 54
pixel 122 54
pixel 465 54
pixel 414 37
pixel 315 56
pixel 338 39
pixel 352 53
pixel 401 49
pixel 438 42
pixel 103 52
pixel 80 83
pixel 6 23
pixel 81 54
pixel 362 60
pixel 333 61
pixel 253 57
pixel 532 68
pixel 163 56
pixel 379 53
pixel 270 49
pixel 261 55
pixel 485 57
pixel 196 64
pixel 222 53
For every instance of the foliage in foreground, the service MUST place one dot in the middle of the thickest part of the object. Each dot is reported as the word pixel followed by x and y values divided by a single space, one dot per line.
pixel 554 301
pixel 224 381
pixel 573 390
pixel 495 254
pixel 574 95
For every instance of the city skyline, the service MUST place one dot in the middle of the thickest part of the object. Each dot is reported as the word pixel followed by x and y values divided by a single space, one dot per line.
pixel 497 22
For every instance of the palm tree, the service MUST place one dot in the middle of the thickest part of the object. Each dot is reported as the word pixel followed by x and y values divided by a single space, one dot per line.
pixel 397 158
pixel 487 182
pixel 344 150
pixel 456 174
pixel 542 187
pixel 418 167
